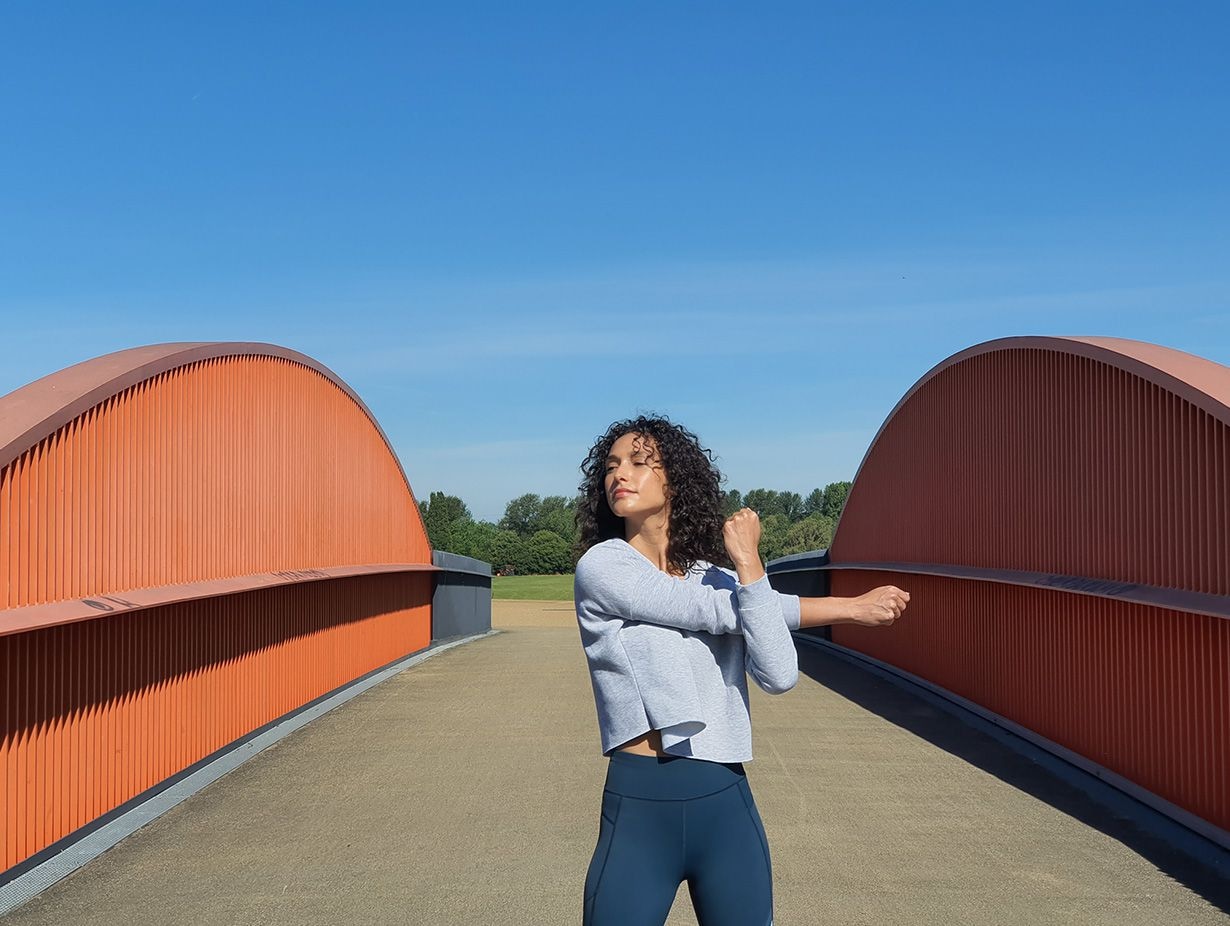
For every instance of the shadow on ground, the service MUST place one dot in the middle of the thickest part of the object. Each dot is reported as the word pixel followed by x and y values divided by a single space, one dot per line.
pixel 900 703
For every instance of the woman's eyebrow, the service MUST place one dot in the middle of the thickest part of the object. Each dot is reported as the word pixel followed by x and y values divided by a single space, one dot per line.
pixel 614 458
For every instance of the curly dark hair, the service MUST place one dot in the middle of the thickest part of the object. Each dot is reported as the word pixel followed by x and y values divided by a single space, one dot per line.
pixel 696 519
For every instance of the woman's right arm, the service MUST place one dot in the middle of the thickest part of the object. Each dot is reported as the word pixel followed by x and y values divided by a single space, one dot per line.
pixel 769 654
pixel 615 580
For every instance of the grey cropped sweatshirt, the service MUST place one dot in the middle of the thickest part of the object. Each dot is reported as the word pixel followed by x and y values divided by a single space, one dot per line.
pixel 672 654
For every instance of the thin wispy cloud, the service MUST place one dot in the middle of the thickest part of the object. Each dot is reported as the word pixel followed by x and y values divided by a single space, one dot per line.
pixel 764 323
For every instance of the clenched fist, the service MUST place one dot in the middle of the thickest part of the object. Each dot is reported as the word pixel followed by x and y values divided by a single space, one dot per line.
pixel 742 535
pixel 880 606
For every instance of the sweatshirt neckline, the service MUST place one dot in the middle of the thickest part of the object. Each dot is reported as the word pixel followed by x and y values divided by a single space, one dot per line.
pixel 697 567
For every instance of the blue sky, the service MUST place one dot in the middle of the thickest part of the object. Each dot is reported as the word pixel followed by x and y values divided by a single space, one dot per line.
pixel 508 225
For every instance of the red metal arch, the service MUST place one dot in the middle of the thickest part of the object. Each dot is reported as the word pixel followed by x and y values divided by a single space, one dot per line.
pixel 162 470
pixel 37 410
pixel 1059 509
pixel 195 539
pixel 1098 458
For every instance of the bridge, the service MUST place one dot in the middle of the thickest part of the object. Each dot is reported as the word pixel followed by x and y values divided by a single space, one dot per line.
pixel 232 661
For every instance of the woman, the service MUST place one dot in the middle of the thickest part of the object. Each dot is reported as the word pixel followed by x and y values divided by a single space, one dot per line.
pixel 669 635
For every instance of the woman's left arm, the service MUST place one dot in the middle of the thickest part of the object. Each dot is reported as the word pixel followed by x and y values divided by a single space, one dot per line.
pixel 876 608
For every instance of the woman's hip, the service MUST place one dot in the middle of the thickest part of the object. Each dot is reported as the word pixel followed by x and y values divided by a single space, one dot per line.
pixel 671 778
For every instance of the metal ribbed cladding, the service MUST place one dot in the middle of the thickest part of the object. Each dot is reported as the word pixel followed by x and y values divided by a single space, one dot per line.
pixel 225 466
pixel 187 473
pixel 1069 502
pixel 38 616
pixel 1195 837
pixel 35 878
pixel 1141 691
pixel 1171 598
pixel 1055 456
pixel 99 711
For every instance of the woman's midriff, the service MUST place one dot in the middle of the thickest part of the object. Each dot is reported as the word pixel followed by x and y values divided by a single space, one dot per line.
pixel 648 745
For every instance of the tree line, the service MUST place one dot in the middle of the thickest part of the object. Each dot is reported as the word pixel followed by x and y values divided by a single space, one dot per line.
pixel 536 535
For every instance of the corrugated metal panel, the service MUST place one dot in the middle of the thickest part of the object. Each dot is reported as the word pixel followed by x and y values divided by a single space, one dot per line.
pixel 1090 458
pixel 1144 692
pixel 231 465
pixel 225 467
pixel 1039 460
pixel 96 713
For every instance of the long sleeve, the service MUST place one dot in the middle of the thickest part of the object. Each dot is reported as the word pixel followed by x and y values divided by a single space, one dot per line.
pixel 614 579
pixel 769 654
pixel 674 654
pixel 792 610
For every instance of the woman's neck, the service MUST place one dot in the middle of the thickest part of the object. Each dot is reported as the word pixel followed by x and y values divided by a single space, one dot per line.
pixel 652 539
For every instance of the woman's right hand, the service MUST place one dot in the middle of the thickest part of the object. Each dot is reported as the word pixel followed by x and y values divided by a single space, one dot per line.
pixel 742 535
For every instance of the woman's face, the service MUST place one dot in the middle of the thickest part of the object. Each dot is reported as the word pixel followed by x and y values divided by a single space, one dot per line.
pixel 635 484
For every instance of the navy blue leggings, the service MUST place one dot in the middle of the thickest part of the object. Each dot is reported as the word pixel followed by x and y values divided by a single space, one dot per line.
pixel 675 819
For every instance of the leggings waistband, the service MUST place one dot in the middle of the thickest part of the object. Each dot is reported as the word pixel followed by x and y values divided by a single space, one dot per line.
pixel 670 778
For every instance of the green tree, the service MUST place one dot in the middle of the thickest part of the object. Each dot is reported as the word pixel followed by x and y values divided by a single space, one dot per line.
pixel 732 501
pixel 443 516
pixel 791 505
pixel 811 533
pixel 507 554
pixel 546 552
pixel 764 502
pixel 773 530
pixel 521 514
pixel 814 503
pixel 835 494
pixel 473 538
pixel 556 514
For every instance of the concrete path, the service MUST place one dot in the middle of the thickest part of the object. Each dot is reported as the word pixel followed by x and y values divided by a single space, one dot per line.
pixel 466 791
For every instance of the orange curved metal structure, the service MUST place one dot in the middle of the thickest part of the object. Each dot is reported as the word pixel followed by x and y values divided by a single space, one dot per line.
pixel 1059 509
pixel 195 539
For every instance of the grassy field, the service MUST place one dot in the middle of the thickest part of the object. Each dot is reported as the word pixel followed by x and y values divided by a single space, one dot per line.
pixel 537 588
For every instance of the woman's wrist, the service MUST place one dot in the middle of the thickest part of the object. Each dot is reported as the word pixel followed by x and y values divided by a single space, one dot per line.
pixel 822 612
pixel 749 571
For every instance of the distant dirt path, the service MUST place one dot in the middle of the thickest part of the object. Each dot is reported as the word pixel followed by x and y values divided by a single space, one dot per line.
pixel 514 613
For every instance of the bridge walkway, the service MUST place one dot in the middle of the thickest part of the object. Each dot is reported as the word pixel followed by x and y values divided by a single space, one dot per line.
pixel 465 790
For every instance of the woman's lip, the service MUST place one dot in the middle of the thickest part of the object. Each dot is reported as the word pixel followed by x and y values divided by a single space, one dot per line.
pixel 620 492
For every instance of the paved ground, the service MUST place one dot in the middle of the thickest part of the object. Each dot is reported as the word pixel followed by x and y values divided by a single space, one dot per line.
pixel 466 789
